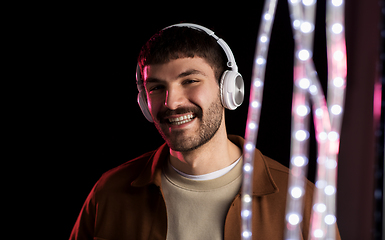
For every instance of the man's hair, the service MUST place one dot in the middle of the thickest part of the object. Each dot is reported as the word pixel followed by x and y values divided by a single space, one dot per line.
pixel 183 42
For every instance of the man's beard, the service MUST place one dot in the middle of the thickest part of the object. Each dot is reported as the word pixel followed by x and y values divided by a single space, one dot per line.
pixel 209 123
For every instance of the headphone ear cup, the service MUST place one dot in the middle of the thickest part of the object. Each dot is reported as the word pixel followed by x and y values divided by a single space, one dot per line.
pixel 142 101
pixel 232 89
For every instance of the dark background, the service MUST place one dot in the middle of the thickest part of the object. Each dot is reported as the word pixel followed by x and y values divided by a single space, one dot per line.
pixel 92 122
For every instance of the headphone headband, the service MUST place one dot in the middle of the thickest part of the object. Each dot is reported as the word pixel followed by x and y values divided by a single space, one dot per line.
pixel 229 54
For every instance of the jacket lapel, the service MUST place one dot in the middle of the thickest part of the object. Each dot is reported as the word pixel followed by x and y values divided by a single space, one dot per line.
pixel 153 168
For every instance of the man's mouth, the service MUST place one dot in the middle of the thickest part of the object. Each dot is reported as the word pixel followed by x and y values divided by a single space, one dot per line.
pixel 182 119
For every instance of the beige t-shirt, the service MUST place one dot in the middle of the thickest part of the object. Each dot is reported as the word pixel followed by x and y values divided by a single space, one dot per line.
pixel 197 209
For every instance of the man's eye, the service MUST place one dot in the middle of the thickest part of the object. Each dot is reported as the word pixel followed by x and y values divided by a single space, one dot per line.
pixel 155 88
pixel 189 81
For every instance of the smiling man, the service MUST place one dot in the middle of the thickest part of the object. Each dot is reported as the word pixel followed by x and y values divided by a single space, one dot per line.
pixel 189 188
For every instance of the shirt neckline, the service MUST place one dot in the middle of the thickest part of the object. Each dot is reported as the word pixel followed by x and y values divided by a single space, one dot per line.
pixel 208 176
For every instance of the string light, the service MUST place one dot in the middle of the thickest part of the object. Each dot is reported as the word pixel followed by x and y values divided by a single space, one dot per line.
pixel 251 132
pixel 327 126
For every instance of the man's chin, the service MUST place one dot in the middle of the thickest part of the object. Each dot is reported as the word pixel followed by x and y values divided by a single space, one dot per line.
pixel 182 143
pixel 183 148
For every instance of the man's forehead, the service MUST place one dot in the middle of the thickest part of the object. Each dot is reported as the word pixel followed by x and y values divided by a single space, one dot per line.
pixel 177 68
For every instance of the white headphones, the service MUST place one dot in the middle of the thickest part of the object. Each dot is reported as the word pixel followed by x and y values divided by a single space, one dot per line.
pixel 231 84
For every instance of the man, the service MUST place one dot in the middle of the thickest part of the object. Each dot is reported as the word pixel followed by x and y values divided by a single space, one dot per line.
pixel 189 188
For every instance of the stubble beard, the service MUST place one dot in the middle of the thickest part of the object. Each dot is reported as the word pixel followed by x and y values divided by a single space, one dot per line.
pixel 209 123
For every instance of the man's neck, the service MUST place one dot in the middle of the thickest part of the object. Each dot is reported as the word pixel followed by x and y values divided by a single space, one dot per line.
pixel 214 155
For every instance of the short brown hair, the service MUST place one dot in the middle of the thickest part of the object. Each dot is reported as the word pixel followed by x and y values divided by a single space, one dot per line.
pixel 181 42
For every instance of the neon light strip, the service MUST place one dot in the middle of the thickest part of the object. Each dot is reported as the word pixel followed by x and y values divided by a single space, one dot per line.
pixel 324 218
pixel 327 128
pixel 305 77
pixel 303 17
pixel 252 125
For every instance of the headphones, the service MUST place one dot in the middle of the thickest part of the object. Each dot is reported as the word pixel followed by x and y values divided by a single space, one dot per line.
pixel 232 88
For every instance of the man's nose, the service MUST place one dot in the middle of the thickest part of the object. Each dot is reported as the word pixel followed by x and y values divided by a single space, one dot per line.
pixel 174 99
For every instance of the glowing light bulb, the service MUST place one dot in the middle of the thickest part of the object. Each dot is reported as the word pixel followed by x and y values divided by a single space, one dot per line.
pixel 263 38
pixel 336 109
pixel 330 219
pixel 267 16
pixel 304 83
pixel 333 136
pixel 301 135
pixel 296 192
pixel 258 82
pixel 308 2
pixel 246 234
pixel 331 163
pixel 252 125
pixel 330 190
pixel 306 27
pixel 247 167
pixel 322 136
pixel 319 207
pixel 260 60
pixel 318 233
pixel 302 110
pixel 255 104
pixel 247 198
pixel 337 28
pixel 249 146
pixel 303 54
pixel 313 89
pixel 296 23
pixel 319 112
pixel 338 55
pixel 337 3
pixel 245 213
pixel 320 184
pixel 338 82
pixel 299 161
pixel 293 219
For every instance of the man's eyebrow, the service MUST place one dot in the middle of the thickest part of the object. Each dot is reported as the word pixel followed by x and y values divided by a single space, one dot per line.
pixel 181 75
pixel 191 72
pixel 152 80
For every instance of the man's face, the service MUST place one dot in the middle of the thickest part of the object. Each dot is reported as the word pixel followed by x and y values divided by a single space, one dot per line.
pixel 184 101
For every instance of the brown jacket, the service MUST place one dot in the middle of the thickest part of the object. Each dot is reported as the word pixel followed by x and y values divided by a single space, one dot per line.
pixel 127 202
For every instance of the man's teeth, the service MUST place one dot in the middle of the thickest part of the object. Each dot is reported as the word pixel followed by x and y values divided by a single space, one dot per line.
pixel 182 119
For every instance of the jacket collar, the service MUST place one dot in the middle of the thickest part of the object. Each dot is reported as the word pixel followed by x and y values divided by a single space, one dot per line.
pixel 153 169
pixel 263 183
